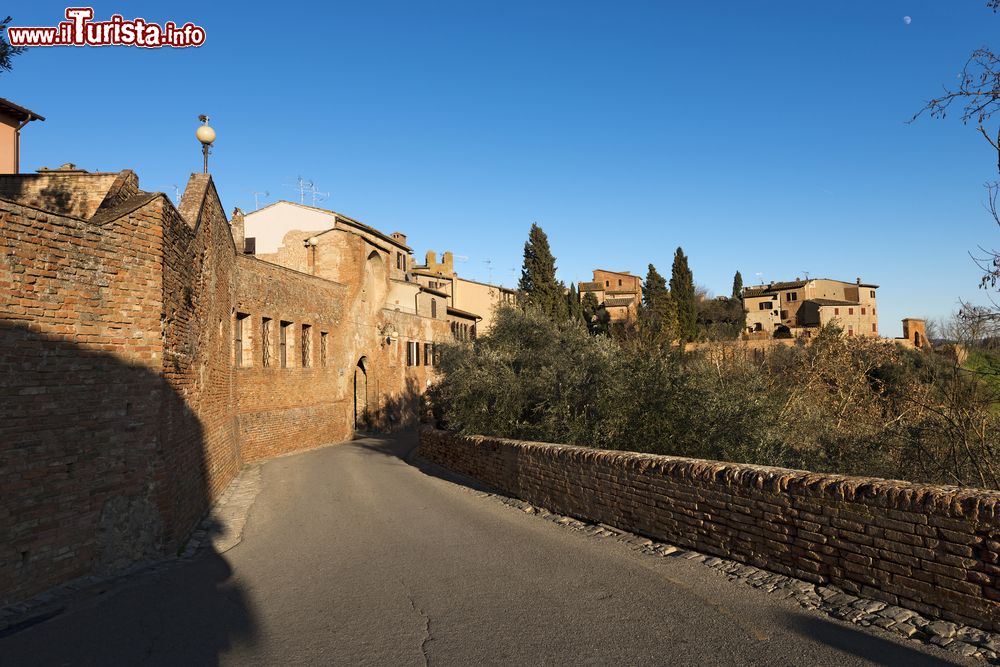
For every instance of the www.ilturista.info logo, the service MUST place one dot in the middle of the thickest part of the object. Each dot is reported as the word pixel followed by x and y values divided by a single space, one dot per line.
pixel 80 30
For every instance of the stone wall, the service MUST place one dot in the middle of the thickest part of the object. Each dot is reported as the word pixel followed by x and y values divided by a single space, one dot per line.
pixel 932 549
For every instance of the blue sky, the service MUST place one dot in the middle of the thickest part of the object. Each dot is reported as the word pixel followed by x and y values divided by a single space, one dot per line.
pixel 768 137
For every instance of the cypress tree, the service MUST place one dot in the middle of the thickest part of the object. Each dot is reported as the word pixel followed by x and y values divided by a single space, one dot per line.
pixel 573 306
pixel 539 287
pixel 682 294
pixel 653 287
pixel 738 286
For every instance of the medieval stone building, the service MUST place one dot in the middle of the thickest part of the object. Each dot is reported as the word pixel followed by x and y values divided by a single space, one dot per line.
pixel 799 308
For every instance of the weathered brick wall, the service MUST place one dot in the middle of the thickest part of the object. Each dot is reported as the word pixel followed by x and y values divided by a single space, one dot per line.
pixel 932 549
pixel 200 452
pixel 287 409
pixel 71 194
pixel 80 396
pixel 117 418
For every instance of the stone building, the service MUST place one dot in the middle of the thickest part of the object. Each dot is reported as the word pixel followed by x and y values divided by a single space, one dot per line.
pixel 464 295
pixel 801 307
pixel 617 292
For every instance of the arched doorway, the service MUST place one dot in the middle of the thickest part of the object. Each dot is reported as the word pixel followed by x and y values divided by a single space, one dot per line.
pixel 361 394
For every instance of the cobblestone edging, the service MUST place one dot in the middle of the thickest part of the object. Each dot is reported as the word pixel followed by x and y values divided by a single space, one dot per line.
pixel 964 640
pixel 222 529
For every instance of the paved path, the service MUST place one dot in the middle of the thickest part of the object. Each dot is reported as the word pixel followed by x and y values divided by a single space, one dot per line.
pixel 352 556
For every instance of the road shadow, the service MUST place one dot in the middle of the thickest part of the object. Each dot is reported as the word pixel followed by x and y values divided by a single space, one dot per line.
pixel 404 446
pixel 861 643
pixel 102 466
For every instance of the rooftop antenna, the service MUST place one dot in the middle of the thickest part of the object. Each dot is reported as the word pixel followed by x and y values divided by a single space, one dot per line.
pixel 806 273
pixel 177 194
pixel 256 198
pixel 317 196
pixel 489 268
pixel 302 185
pixel 760 277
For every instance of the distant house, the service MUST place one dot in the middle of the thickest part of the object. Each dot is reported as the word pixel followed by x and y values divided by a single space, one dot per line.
pixel 617 292
pixel 801 307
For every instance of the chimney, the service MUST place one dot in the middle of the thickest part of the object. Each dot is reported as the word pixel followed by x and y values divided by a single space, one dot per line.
pixel 399 237
pixel 14 117
pixel 859 280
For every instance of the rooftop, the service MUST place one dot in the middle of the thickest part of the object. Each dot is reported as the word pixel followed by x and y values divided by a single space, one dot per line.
pixel 338 217
pixel 18 111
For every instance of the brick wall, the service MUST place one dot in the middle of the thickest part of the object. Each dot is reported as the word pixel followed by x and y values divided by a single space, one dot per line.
pixel 123 410
pixel 71 194
pixel 200 451
pixel 80 396
pixel 932 549
pixel 296 407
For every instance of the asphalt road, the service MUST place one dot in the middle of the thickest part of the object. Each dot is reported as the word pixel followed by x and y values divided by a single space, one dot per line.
pixel 353 556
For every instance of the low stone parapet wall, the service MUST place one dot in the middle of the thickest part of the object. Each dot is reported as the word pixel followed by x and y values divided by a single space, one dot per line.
pixel 929 548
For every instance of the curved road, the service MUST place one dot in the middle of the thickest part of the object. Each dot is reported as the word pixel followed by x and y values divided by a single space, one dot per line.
pixel 353 556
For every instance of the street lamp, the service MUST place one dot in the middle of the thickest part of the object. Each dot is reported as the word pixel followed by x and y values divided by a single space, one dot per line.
pixel 206 135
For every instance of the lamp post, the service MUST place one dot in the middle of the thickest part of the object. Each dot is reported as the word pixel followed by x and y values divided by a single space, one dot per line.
pixel 206 135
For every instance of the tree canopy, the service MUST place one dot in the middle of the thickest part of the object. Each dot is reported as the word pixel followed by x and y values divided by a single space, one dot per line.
pixel 6 50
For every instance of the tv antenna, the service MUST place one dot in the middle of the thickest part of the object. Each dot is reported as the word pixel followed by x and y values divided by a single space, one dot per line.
pixel 316 195
pixel 177 194
pixel 489 268
pixel 760 277
pixel 806 273
pixel 303 186
pixel 256 198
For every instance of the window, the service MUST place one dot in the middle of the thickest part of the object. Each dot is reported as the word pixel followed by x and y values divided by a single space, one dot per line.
pixel 428 354
pixel 412 353
pixel 306 346
pixel 607 283
pixel 238 338
pixel 784 314
pixel 836 311
pixel 862 311
pixel 874 328
pixel 265 341
pixel 872 294
pixel 619 282
pixel 437 355
pixel 322 348
pixel 850 311
pixel 434 308
pixel 765 305
pixel 850 329
pixel 399 260
pixel 792 296
pixel 283 344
